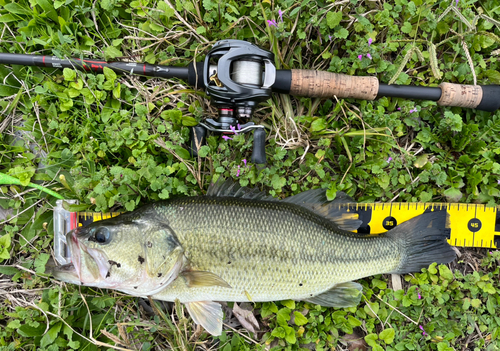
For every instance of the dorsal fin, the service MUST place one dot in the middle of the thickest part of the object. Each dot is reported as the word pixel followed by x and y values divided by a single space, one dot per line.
pixel 230 188
pixel 315 200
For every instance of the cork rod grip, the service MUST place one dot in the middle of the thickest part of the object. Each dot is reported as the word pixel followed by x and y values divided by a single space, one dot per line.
pixel 460 95
pixel 313 83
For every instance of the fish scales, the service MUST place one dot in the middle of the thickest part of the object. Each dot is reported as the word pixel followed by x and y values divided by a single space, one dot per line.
pixel 268 250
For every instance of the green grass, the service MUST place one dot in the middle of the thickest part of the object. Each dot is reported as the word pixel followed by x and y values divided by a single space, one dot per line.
pixel 115 142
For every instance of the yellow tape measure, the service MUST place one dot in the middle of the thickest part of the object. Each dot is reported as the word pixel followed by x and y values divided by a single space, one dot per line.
pixel 85 218
pixel 471 225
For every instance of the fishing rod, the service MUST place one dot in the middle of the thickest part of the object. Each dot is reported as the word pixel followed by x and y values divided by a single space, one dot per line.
pixel 238 75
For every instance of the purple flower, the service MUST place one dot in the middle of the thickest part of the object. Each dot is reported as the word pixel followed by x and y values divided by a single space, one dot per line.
pixel 245 161
pixel 225 137
pixel 413 110
pixel 370 40
pixel 360 57
pixel 272 23
pixel 399 108
pixel 238 172
pixel 330 37
pixel 238 126
pixel 498 181
pixel 419 296
pixel 423 331
pixel 389 160
pixel 457 2
pixel 280 13
pixel 233 129
pixel 369 56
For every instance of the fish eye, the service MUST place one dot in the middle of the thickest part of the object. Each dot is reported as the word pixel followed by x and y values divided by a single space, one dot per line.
pixel 101 235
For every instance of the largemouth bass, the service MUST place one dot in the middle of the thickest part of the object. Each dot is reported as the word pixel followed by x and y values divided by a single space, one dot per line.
pixel 236 244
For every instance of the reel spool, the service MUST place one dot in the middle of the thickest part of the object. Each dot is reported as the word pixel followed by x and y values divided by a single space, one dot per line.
pixel 237 76
pixel 247 72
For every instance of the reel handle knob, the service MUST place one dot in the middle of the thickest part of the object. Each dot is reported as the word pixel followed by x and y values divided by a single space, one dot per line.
pixel 198 139
pixel 259 146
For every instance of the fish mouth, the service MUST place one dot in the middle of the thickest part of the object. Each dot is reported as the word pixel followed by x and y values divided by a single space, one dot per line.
pixel 79 253
pixel 75 256
pixel 66 273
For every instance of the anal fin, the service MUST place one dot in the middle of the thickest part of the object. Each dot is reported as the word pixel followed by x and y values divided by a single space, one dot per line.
pixel 208 314
pixel 341 295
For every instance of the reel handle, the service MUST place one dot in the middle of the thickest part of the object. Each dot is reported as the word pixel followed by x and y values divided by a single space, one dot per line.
pixel 198 136
pixel 259 146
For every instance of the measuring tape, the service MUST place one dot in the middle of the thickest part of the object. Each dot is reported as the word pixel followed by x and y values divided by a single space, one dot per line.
pixel 470 225
pixel 85 218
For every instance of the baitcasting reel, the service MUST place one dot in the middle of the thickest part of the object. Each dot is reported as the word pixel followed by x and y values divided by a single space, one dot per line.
pixel 237 76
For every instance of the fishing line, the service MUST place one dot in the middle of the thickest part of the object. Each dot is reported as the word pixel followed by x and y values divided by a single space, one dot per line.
pixel 247 72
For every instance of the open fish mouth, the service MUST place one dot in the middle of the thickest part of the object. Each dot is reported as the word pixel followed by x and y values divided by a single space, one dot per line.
pixel 75 256
pixel 66 273
pixel 100 260
pixel 82 255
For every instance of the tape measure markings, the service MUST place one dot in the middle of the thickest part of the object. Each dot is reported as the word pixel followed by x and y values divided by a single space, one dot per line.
pixel 483 230
pixel 85 218
pixel 497 229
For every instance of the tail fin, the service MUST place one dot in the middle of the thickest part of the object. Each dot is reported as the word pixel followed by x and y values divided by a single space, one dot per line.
pixel 423 240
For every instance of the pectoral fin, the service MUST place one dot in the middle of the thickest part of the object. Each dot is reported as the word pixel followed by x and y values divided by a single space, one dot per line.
pixel 198 279
pixel 208 314
pixel 341 295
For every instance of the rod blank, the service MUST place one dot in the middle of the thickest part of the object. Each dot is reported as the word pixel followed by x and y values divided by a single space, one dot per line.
pixel 143 69
pixel 409 92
